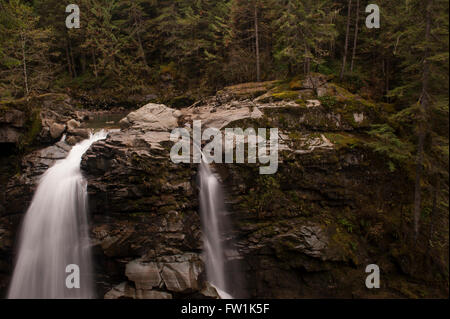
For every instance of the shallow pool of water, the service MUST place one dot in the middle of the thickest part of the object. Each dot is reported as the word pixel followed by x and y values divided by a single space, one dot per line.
pixel 104 121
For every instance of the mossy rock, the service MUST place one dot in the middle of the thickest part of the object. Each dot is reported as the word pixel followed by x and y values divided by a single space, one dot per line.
pixel 301 103
pixel 33 128
pixel 344 140
pixel 339 92
pixel 286 95
pixel 19 104
pixel 248 90
pixel 296 84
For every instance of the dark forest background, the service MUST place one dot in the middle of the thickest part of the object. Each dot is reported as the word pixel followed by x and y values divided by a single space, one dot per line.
pixel 198 46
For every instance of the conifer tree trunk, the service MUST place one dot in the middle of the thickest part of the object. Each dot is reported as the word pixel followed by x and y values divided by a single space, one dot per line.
pixel 417 188
pixel 436 188
pixel 424 105
pixel 73 60
pixel 307 64
pixel 355 40
pixel 138 35
pixel 347 35
pixel 83 62
pixel 258 66
pixel 69 63
pixel 24 63
pixel 333 40
pixel 141 49
pixel 387 79
pixel 94 63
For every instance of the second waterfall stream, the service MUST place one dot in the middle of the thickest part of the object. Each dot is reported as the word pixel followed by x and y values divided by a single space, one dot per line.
pixel 214 221
pixel 55 233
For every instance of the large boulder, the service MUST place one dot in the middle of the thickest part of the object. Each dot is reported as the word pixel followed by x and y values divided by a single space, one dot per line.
pixel 73 124
pixel 181 276
pixel 152 117
pixel 161 278
pixel 57 130
pixel 144 275
pixel 54 111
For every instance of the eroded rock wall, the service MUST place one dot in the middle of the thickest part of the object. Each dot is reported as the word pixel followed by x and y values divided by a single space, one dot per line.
pixel 308 231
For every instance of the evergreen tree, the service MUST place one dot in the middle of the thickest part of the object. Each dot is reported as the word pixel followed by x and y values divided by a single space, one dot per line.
pixel 24 57
pixel 426 51
pixel 250 43
pixel 303 31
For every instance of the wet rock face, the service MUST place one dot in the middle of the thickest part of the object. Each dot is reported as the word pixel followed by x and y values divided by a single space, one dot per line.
pixel 310 240
pixel 315 239
pixel 142 205
pixel 307 231
pixel 145 206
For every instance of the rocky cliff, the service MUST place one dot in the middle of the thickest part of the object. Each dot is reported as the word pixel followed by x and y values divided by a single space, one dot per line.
pixel 334 206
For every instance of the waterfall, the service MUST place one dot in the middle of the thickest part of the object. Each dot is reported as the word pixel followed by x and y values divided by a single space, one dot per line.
pixel 214 221
pixel 54 233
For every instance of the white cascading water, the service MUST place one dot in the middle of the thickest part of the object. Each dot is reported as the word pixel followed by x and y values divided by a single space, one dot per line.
pixel 55 233
pixel 213 217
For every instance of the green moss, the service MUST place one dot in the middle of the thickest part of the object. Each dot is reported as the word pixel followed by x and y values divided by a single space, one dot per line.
pixel 286 95
pixel 343 245
pixel 343 140
pixel 301 103
pixel 32 129
pixel 329 102
pixel 340 92
pixel 57 97
pixel 296 84
pixel 281 87
pixel 260 199
pixel 19 104
pixel 367 103
pixel 295 136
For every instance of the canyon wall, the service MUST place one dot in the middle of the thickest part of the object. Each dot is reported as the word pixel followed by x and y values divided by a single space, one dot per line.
pixel 335 205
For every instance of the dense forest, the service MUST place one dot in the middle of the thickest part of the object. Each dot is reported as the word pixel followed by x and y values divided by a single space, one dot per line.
pixel 177 52
pixel 132 46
